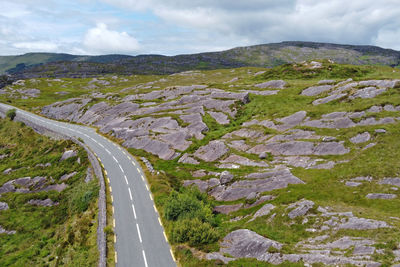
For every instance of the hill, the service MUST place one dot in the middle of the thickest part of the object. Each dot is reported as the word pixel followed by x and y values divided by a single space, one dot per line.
pixel 266 55
pixel 291 165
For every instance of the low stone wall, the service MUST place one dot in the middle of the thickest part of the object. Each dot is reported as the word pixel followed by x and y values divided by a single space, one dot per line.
pixel 102 216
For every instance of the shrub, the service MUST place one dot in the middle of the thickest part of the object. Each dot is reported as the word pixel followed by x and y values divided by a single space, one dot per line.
pixel 193 231
pixel 11 113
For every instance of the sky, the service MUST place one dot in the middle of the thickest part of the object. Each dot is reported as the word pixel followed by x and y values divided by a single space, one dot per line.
pixel 171 27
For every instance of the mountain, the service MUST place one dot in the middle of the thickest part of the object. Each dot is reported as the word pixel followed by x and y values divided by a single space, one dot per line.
pixel 265 55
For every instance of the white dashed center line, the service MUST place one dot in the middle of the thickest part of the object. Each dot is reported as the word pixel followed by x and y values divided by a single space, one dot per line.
pixel 144 257
pixel 138 230
pixel 130 193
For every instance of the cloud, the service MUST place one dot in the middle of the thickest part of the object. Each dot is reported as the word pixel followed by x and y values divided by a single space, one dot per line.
pixel 102 40
pixel 37 46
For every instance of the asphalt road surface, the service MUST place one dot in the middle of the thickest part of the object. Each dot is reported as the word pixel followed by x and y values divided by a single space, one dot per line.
pixel 140 238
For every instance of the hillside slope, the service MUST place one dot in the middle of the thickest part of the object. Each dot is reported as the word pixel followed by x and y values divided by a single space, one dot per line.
pixel 253 166
pixel 266 55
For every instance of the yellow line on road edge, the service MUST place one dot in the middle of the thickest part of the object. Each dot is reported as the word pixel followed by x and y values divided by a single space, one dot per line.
pixel 115 238
pixel 154 208
pixel 172 254
pixel 114 223
pixel 112 199
pixel 116 257
pixel 112 209
pixel 108 180
pixel 106 172
pixel 110 189
pixel 165 236
pixel 159 220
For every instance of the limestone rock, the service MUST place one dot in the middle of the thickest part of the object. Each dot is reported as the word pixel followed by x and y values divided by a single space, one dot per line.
pixel 380 196
pixel 353 184
pixel 4 231
pixel 244 243
pixel 218 256
pixel 279 84
pixel 67 176
pixel 243 161
pixel 186 158
pixel 220 117
pixel 368 92
pixel 263 211
pixel 328 99
pixel 391 181
pixel 68 154
pixel 360 138
pixel 316 90
pixel 300 208
pixel 212 151
pixel 46 202
pixel 356 223
pixel 3 206
pixel 225 177
pixel 226 209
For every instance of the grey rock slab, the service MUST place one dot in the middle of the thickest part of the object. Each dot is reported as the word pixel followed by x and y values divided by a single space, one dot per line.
pixel 247 133
pixel 244 243
pixel 300 208
pixel 356 223
pixel 326 82
pixel 353 184
pixel 375 109
pixel 68 154
pixel 45 202
pixel 380 196
pixel 161 149
pixel 67 176
pixel 363 250
pixel 292 120
pixel 265 92
pixel 324 166
pixel 316 90
pixel 380 131
pixel 330 148
pixel 225 177
pixel 279 84
pixel 212 151
pixel 178 140
pixel 241 189
pixel 243 161
pixel 380 83
pixel 4 231
pixel 239 145
pixel 243 97
pixel 263 211
pixel 292 148
pixel 368 92
pixel 218 256
pixel 361 138
pixel 186 158
pixel 391 181
pixel 369 146
pixel 220 117
pixel 3 206
pixel 226 209
pixel 328 99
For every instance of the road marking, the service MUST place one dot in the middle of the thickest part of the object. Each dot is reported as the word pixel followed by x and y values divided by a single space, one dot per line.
pixel 151 197
pixel 108 180
pixel 105 171
pixel 134 212
pixel 115 238
pixel 130 193
pixel 154 207
pixel 112 208
pixel 110 189
pixel 138 230
pixel 108 151
pixel 159 220
pixel 102 165
pixel 143 178
pixel 165 236
pixel 122 170
pixel 116 257
pixel 124 152
pixel 172 254
pixel 137 168
pixel 144 257
pixel 134 164
pixel 114 223
pixel 119 148
pixel 147 187
pixel 100 144
pixel 112 199
pixel 115 158
pixel 126 179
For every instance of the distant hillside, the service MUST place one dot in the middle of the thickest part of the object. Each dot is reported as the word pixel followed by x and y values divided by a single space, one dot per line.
pixel 266 55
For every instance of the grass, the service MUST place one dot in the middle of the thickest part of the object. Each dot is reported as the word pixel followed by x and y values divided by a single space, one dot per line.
pixel 61 235
pixel 324 187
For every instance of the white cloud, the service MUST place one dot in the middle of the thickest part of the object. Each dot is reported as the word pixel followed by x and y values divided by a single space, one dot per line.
pixel 37 46
pixel 102 40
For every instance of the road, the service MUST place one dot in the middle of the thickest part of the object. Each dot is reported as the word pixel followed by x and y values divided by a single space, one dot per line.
pixel 140 238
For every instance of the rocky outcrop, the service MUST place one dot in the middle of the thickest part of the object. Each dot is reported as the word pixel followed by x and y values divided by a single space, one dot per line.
pixel 68 154
pixel 45 202
pixel 212 151
pixel 300 208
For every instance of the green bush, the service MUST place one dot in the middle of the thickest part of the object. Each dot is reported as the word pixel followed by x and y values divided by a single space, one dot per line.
pixel 193 231
pixel 188 204
pixel 11 113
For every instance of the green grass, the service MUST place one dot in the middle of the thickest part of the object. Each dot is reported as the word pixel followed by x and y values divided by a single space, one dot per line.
pixel 324 187
pixel 62 235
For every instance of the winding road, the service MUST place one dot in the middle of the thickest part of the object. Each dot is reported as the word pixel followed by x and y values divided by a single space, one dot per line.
pixel 140 238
